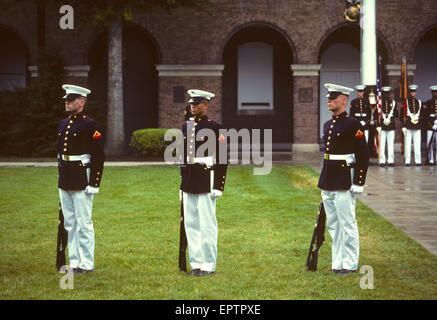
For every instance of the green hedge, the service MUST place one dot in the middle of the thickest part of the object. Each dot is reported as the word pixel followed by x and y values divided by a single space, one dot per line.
pixel 149 142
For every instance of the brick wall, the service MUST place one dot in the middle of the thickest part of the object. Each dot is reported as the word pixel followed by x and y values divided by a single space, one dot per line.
pixel 171 114
pixel 190 37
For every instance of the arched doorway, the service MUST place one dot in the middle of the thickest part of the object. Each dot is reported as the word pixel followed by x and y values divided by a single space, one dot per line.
pixel 340 59
pixel 14 59
pixel 257 83
pixel 426 64
pixel 140 79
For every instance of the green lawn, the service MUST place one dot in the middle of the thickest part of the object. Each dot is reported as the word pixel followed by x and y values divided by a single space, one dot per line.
pixel 265 226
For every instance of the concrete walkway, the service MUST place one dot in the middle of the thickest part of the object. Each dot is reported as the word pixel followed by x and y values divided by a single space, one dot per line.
pixel 407 197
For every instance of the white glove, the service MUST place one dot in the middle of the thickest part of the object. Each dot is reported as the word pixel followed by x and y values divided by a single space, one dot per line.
pixel 378 129
pixel 356 189
pixel 91 190
pixel 85 159
pixel 216 193
pixel 404 130
pixel 363 123
pixel 180 195
pixel 434 127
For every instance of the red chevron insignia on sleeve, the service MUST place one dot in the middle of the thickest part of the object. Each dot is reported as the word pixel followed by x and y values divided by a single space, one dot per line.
pixel 97 135
pixel 359 134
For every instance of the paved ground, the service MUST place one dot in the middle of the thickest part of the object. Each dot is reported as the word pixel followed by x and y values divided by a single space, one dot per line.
pixel 407 197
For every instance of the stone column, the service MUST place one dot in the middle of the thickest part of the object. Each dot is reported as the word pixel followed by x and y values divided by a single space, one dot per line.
pixel 305 109
pixel 76 74
pixel 175 80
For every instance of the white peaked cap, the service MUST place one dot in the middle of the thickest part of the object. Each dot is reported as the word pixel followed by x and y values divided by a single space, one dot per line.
pixel 199 95
pixel 337 88
pixel 72 89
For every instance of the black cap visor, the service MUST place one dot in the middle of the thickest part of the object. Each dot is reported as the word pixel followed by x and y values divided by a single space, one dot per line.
pixel 72 96
pixel 333 95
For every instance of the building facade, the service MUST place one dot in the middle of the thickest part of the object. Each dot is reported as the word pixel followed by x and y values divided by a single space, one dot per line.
pixel 266 60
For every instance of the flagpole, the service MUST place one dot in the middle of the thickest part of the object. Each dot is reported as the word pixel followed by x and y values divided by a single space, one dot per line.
pixel 379 104
pixel 369 57
pixel 368 41
pixel 403 95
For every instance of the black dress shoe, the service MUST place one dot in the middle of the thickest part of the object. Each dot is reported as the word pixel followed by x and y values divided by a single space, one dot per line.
pixel 382 165
pixel 346 271
pixel 391 165
pixel 193 272
pixel 335 270
pixel 407 165
pixel 418 164
pixel 204 273
pixel 80 271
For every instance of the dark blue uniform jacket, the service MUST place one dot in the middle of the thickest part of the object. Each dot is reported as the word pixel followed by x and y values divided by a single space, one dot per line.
pixel 196 177
pixel 343 134
pixel 78 135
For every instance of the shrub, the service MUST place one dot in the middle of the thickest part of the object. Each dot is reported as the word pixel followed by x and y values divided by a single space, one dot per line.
pixel 149 142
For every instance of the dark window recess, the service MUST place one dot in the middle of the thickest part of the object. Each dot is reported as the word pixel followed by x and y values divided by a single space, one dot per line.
pixel 179 94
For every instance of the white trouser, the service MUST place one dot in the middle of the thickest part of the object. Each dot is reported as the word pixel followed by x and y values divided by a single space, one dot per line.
pixel 77 209
pixel 201 229
pixel 415 137
pixel 429 135
pixel 343 228
pixel 387 138
pixel 366 133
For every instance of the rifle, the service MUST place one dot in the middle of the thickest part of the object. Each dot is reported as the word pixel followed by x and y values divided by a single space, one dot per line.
pixel 62 241
pixel 432 152
pixel 182 242
pixel 317 239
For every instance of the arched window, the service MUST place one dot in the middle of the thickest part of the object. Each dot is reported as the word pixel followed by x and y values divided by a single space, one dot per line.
pixel 13 61
pixel 255 76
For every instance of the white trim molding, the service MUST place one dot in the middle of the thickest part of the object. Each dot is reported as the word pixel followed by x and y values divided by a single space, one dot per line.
pixel 394 70
pixel 33 71
pixel 306 70
pixel 193 70
pixel 78 70
pixel 72 71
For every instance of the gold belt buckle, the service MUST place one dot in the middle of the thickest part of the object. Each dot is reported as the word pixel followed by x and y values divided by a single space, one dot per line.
pixel 326 156
pixel 67 157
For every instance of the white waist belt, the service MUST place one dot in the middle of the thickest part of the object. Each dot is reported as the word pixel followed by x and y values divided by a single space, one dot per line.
pixel 360 114
pixel 350 158
pixel 67 157
pixel 208 161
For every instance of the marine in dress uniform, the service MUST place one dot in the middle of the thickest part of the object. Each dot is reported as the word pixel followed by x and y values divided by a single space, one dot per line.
pixel 361 110
pixel 430 121
pixel 343 176
pixel 80 165
pixel 412 126
pixel 203 181
pixel 386 128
